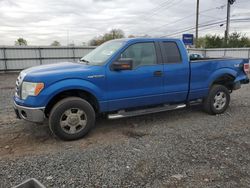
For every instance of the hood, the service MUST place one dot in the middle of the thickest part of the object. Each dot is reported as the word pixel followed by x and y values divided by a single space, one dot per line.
pixel 59 71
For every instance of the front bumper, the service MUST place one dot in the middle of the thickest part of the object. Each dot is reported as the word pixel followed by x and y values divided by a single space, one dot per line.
pixel 29 114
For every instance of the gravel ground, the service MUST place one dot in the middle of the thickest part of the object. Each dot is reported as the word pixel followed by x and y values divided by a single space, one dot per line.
pixel 182 148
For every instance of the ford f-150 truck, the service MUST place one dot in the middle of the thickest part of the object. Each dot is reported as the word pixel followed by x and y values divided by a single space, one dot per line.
pixel 121 78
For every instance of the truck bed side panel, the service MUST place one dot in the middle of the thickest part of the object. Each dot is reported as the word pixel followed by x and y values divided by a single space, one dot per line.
pixel 204 73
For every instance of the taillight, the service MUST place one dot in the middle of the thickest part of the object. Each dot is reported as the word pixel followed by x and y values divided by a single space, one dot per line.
pixel 246 68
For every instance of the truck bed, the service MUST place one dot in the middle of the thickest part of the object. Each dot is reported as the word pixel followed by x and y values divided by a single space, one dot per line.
pixel 214 59
pixel 205 70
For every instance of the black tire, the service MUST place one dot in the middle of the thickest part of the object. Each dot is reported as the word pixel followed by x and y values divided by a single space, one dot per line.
pixel 209 104
pixel 71 106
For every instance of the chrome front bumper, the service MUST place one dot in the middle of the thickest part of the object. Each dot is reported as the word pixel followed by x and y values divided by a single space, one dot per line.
pixel 29 114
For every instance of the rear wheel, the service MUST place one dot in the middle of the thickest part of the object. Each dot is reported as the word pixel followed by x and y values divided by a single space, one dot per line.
pixel 217 100
pixel 71 118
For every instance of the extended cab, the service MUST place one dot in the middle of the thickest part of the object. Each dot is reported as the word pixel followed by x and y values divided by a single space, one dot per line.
pixel 122 78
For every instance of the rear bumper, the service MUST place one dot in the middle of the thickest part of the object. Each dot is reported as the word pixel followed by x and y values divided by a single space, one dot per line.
pixel 246 81
pixel 29 114
pixel 237 85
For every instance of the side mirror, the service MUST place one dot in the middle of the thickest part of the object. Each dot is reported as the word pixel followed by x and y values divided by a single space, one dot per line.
pixel 123 64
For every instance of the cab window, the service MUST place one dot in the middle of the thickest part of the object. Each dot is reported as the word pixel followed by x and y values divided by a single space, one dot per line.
pixel 141 54
pixel 172 52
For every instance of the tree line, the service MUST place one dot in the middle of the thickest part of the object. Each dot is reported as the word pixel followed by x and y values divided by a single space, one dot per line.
pixel 235 40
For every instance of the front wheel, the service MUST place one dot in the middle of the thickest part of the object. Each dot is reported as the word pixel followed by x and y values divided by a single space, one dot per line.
pixel 71 118
pixel 217 100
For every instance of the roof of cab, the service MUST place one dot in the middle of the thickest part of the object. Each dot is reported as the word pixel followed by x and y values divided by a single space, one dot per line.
pixel 147 39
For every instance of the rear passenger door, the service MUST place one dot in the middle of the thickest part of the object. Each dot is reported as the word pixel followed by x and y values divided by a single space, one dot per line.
pixel 176 72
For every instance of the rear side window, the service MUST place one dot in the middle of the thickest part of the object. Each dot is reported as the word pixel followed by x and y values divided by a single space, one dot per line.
pixel 172 52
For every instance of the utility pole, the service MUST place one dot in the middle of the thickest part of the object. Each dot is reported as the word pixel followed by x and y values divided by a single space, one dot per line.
pixel 197 23
pixel 229 3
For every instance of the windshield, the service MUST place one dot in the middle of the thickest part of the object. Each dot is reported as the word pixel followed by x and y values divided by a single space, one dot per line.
pixel 100 55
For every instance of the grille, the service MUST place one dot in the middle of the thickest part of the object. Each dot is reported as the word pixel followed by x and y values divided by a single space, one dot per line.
pixel 19 84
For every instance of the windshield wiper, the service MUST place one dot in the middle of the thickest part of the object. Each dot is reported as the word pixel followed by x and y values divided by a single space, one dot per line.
pixel 84 60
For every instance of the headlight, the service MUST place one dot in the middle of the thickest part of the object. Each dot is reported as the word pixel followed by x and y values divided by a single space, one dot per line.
pixel 31 89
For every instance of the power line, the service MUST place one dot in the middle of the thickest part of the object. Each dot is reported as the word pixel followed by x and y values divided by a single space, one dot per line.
pixel 163 3
pixel 208 24
pixel 192 28
pixel 166 4
pixel 156 9
pixel 209 16
pixel 160 6
pixel 184 18
pixel 208 28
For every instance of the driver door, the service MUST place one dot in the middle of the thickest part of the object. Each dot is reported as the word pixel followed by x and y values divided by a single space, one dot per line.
pixel 141 86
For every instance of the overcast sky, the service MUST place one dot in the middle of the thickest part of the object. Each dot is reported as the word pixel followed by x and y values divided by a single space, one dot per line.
pixel 41 22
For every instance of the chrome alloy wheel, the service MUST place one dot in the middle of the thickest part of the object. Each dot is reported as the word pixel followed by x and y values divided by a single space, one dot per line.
pixel 73 120
pixel 220 100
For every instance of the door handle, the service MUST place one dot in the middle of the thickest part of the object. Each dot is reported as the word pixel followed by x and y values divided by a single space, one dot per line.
pixel 158 73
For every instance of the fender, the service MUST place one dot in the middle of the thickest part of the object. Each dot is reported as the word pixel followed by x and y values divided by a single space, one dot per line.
pixel 63 85
pixel 220 72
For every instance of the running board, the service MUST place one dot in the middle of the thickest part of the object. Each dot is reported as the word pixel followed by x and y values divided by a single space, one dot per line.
pixel 122 113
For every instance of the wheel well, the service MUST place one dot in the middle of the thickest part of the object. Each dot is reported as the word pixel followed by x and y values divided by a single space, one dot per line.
pixel 225 80
pixel 72 93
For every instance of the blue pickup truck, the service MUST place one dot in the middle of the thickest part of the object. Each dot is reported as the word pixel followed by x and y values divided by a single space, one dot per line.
pixel 121 78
